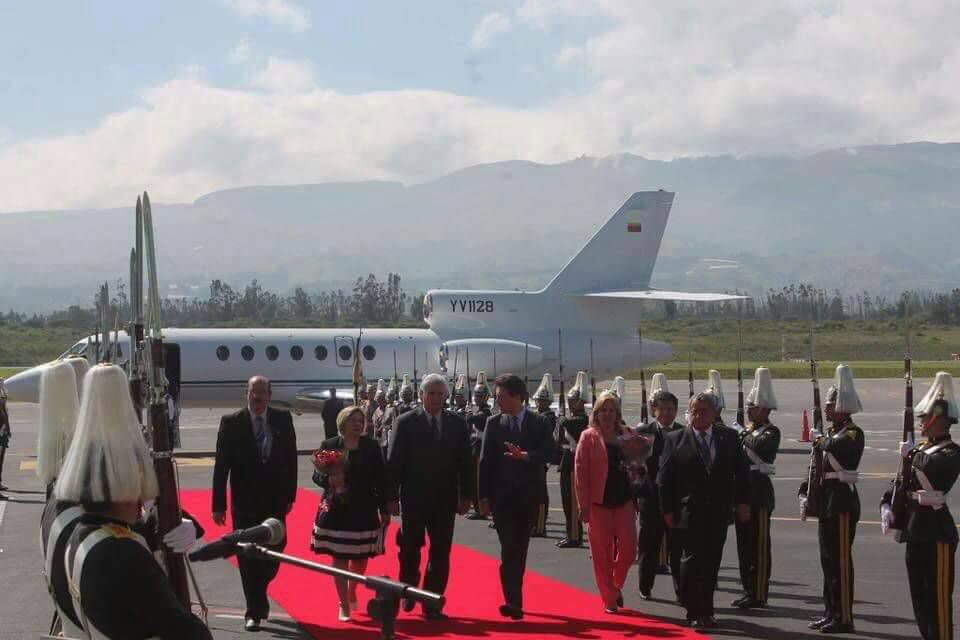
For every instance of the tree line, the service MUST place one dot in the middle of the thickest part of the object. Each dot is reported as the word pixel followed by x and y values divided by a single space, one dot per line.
pixel 374 302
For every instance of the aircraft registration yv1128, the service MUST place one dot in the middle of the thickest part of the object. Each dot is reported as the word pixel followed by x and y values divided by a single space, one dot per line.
pixel 592 305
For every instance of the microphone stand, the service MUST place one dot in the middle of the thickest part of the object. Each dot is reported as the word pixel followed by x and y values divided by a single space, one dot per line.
pixel 382 608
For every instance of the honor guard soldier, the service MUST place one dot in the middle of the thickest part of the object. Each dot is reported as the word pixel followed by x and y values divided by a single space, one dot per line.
pixel 408 396
pixel 842 448
pixel 760 441
pixel 59 407
pixel 715 389
pixel 654 549
pixel 543 398
pixel 930 533
pixel 460 396
pixel 4 432
pixel 569 430
pixel 370 410
pixel 389 415
pixel 476 421
pixel 618 388
pixel 380 400
pixel 118 588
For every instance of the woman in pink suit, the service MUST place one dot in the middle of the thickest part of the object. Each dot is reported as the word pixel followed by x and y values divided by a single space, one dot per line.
pixel 605 499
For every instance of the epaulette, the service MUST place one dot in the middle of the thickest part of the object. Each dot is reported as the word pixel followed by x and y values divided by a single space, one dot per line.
pixel 852 434
pixel 118 531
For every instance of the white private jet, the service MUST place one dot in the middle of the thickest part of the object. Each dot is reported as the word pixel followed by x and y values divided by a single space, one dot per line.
pixel 587 316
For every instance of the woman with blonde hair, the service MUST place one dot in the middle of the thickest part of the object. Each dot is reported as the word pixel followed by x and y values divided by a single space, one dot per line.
pixel 605 497
pixel 353 516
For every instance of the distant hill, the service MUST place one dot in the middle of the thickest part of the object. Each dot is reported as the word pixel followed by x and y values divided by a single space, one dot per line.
pixel 864 218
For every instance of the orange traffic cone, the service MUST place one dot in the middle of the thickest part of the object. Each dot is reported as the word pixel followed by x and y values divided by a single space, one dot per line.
pixel 805 434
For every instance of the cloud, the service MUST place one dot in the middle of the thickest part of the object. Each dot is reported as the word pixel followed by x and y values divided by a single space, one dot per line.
pixel 281 75
pixel 240 53
pixel 568 54
pixel 280 12
pixel 664 81
pixel 490 26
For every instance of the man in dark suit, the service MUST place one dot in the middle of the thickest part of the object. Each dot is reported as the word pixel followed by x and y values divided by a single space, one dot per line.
pixel 429 467
pixel 331 408
pixel 257 450
pixel 516 445
pixel 703 474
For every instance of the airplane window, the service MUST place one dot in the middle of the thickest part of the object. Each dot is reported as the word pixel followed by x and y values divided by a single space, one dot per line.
pixel 320 352
pixel 272 352
pixel 345 352
pixel 296 352
pixel 247 352
pixel 223 353
pixel 369 352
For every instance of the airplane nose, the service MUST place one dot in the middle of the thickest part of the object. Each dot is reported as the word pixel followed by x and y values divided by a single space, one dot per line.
pixel 24 386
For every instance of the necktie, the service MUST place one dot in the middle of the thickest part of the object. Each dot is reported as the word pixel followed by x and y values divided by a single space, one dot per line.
pixel 261 436
pixel 514 427
pixel 435 425
pixel 705 449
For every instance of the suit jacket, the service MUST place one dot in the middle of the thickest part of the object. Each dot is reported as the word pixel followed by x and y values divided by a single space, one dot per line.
pixel 647 490
pixel 258 490
pixel 694 494
pixel 429 472
pixel 508 483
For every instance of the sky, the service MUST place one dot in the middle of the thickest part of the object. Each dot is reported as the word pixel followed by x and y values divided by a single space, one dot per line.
pixel 101 100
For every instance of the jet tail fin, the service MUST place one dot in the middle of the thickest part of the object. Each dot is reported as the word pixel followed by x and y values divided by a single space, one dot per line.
pixel 621 255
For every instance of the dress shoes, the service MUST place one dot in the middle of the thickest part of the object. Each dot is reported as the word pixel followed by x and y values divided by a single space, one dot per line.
pixel 409 604
pixel 746 602
pixel 818 624
pixel 567 543
pixel 435 615
pixel 508 611
pixel 707 622
pixel 663 571
pixel 835 626
pixel 645 595
pixel 476 515
pixel 251 624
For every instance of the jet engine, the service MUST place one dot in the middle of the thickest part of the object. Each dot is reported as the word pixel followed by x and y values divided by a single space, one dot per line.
pixel 491 355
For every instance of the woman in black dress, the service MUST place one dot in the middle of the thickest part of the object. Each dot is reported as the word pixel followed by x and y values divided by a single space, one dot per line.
pixel 352 518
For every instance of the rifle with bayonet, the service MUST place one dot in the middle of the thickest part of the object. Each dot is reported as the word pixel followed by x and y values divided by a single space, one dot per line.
pixel 739 370
pixel 526 371
pixel 562 401
pixel 643 381
pixel 168 505
pixel 898 502
pixel 593 380
pixel 814 482
pixel 469 390
pixel 690 370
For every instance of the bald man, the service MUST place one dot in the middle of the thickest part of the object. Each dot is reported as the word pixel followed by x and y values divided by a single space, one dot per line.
pixel 257 450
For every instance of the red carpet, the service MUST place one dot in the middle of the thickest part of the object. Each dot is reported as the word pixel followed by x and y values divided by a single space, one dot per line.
pixel 553 609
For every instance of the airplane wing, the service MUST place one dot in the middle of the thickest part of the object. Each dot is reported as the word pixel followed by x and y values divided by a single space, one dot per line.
pixel 676 296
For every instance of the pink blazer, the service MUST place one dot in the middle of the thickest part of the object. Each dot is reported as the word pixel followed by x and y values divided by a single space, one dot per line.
pixel 590 469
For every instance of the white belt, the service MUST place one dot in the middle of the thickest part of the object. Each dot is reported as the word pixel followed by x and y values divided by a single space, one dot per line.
pixel 843 475
pixel 935 499
pixel 928 496
pixel 758 464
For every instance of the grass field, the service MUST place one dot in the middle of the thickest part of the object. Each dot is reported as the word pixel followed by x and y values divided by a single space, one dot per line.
pixel 6 372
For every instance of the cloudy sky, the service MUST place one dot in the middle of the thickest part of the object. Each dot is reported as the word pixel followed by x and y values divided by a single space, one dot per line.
pixel 99 100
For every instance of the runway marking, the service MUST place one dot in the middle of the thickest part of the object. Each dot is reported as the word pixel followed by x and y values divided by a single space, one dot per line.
pixel 3 509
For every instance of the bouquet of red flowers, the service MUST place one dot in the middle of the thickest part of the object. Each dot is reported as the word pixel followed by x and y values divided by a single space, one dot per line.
pixel 334 465
pixel 636 449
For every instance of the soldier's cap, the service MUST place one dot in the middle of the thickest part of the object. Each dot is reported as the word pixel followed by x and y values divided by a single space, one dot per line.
pixel 59 407
pixel 658 382
pixel 845 398
pixel 544 392
pixel 761 395
pixel 715 389
pixel 940 399
pixel 578 390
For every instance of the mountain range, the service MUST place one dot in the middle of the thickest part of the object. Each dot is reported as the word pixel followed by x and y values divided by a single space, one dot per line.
pixel 876 218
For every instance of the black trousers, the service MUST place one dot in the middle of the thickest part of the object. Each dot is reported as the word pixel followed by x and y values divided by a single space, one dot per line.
pixel 3 454
pixel 539 527
pixel 836 535
pixel 574 528
pixel 414 526
pixel 255 576
pixel 930 569
pixel 753 551
pixel 656 547
pixel 701 548
pixel 513 523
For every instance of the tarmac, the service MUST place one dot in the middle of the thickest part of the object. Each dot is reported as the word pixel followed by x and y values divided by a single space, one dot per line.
pixel 882 607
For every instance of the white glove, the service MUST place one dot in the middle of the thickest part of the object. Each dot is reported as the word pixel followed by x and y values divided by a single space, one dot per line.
pixel 803 508
pixel 182 537
pixel 738 426
pixel 886 518
pixel 906 447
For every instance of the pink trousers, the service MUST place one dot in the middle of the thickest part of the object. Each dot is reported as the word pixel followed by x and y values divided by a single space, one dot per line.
pixel 613 545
